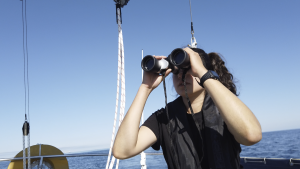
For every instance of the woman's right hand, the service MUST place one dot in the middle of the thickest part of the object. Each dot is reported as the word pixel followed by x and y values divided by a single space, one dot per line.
pixel 152 80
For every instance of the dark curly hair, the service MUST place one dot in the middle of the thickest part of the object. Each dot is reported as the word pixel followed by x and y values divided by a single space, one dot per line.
pixel 213 61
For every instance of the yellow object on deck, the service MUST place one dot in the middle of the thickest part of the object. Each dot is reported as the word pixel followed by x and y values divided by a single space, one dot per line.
pixel 41 150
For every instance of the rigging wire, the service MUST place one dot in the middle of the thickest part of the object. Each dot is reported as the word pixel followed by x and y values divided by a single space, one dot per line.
pixel 193 40
pixel 27 61
pixel 24 57
pixel 192 30
pixel 26 86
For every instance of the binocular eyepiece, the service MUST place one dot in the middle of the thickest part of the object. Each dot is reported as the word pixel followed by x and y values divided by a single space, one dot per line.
pixel 178 59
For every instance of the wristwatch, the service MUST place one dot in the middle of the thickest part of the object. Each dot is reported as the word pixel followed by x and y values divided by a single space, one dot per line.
pixel 208 75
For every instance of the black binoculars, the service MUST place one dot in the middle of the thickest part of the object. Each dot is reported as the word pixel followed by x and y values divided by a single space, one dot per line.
pixel 178 59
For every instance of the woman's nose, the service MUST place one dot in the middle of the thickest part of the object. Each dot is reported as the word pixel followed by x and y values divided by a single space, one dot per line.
pixel 179 75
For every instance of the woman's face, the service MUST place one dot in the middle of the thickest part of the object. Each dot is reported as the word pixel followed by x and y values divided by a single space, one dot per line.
pixel 193 88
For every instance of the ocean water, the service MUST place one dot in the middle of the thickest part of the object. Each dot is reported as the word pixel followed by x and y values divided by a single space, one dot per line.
pixel 277 144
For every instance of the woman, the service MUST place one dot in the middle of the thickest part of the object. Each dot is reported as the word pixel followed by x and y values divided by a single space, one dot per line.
pixel 223 119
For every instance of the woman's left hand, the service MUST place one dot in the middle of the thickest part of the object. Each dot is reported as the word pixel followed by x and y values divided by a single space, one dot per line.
pixel 240 120
pixel 197 67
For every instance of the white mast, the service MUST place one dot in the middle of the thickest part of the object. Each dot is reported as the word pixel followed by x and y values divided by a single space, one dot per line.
pixel 143 155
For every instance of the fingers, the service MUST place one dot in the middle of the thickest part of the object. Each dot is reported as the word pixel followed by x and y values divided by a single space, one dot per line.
pixel 191 53
pixel 168 72
pixel 188 50
pixel 160 57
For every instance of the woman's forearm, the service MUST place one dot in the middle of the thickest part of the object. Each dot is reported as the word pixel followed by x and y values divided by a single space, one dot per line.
pixel 239 119
pixel 127 135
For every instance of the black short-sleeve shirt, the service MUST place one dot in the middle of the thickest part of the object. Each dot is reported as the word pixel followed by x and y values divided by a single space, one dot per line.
pixel 156 124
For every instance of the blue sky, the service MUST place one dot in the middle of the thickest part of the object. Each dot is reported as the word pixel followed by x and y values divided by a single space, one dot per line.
pixel 73 46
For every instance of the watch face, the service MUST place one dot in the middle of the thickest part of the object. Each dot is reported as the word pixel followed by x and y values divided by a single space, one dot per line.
pixel 215 74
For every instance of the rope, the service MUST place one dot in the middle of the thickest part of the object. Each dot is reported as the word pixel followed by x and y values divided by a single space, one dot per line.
pixel 117 165
pixel 24 155
pixel 112 163
pixel 121 73
pixel 28 151
pixel 166 103
pixel 116 111
pixel 122 106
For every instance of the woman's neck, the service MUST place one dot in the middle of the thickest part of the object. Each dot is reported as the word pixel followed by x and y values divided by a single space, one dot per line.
pixel 196 102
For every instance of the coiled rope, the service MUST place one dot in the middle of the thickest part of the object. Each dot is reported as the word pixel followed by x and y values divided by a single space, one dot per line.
pixel 121 73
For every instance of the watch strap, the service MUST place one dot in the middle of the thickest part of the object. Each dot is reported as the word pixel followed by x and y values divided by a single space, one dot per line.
pixel 208 75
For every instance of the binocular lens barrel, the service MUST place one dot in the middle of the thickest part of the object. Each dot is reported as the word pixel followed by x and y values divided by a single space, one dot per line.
pixel 151 64
pixel 179 58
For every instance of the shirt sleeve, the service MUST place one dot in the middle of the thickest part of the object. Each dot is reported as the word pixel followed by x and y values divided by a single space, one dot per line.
pixel 152 124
